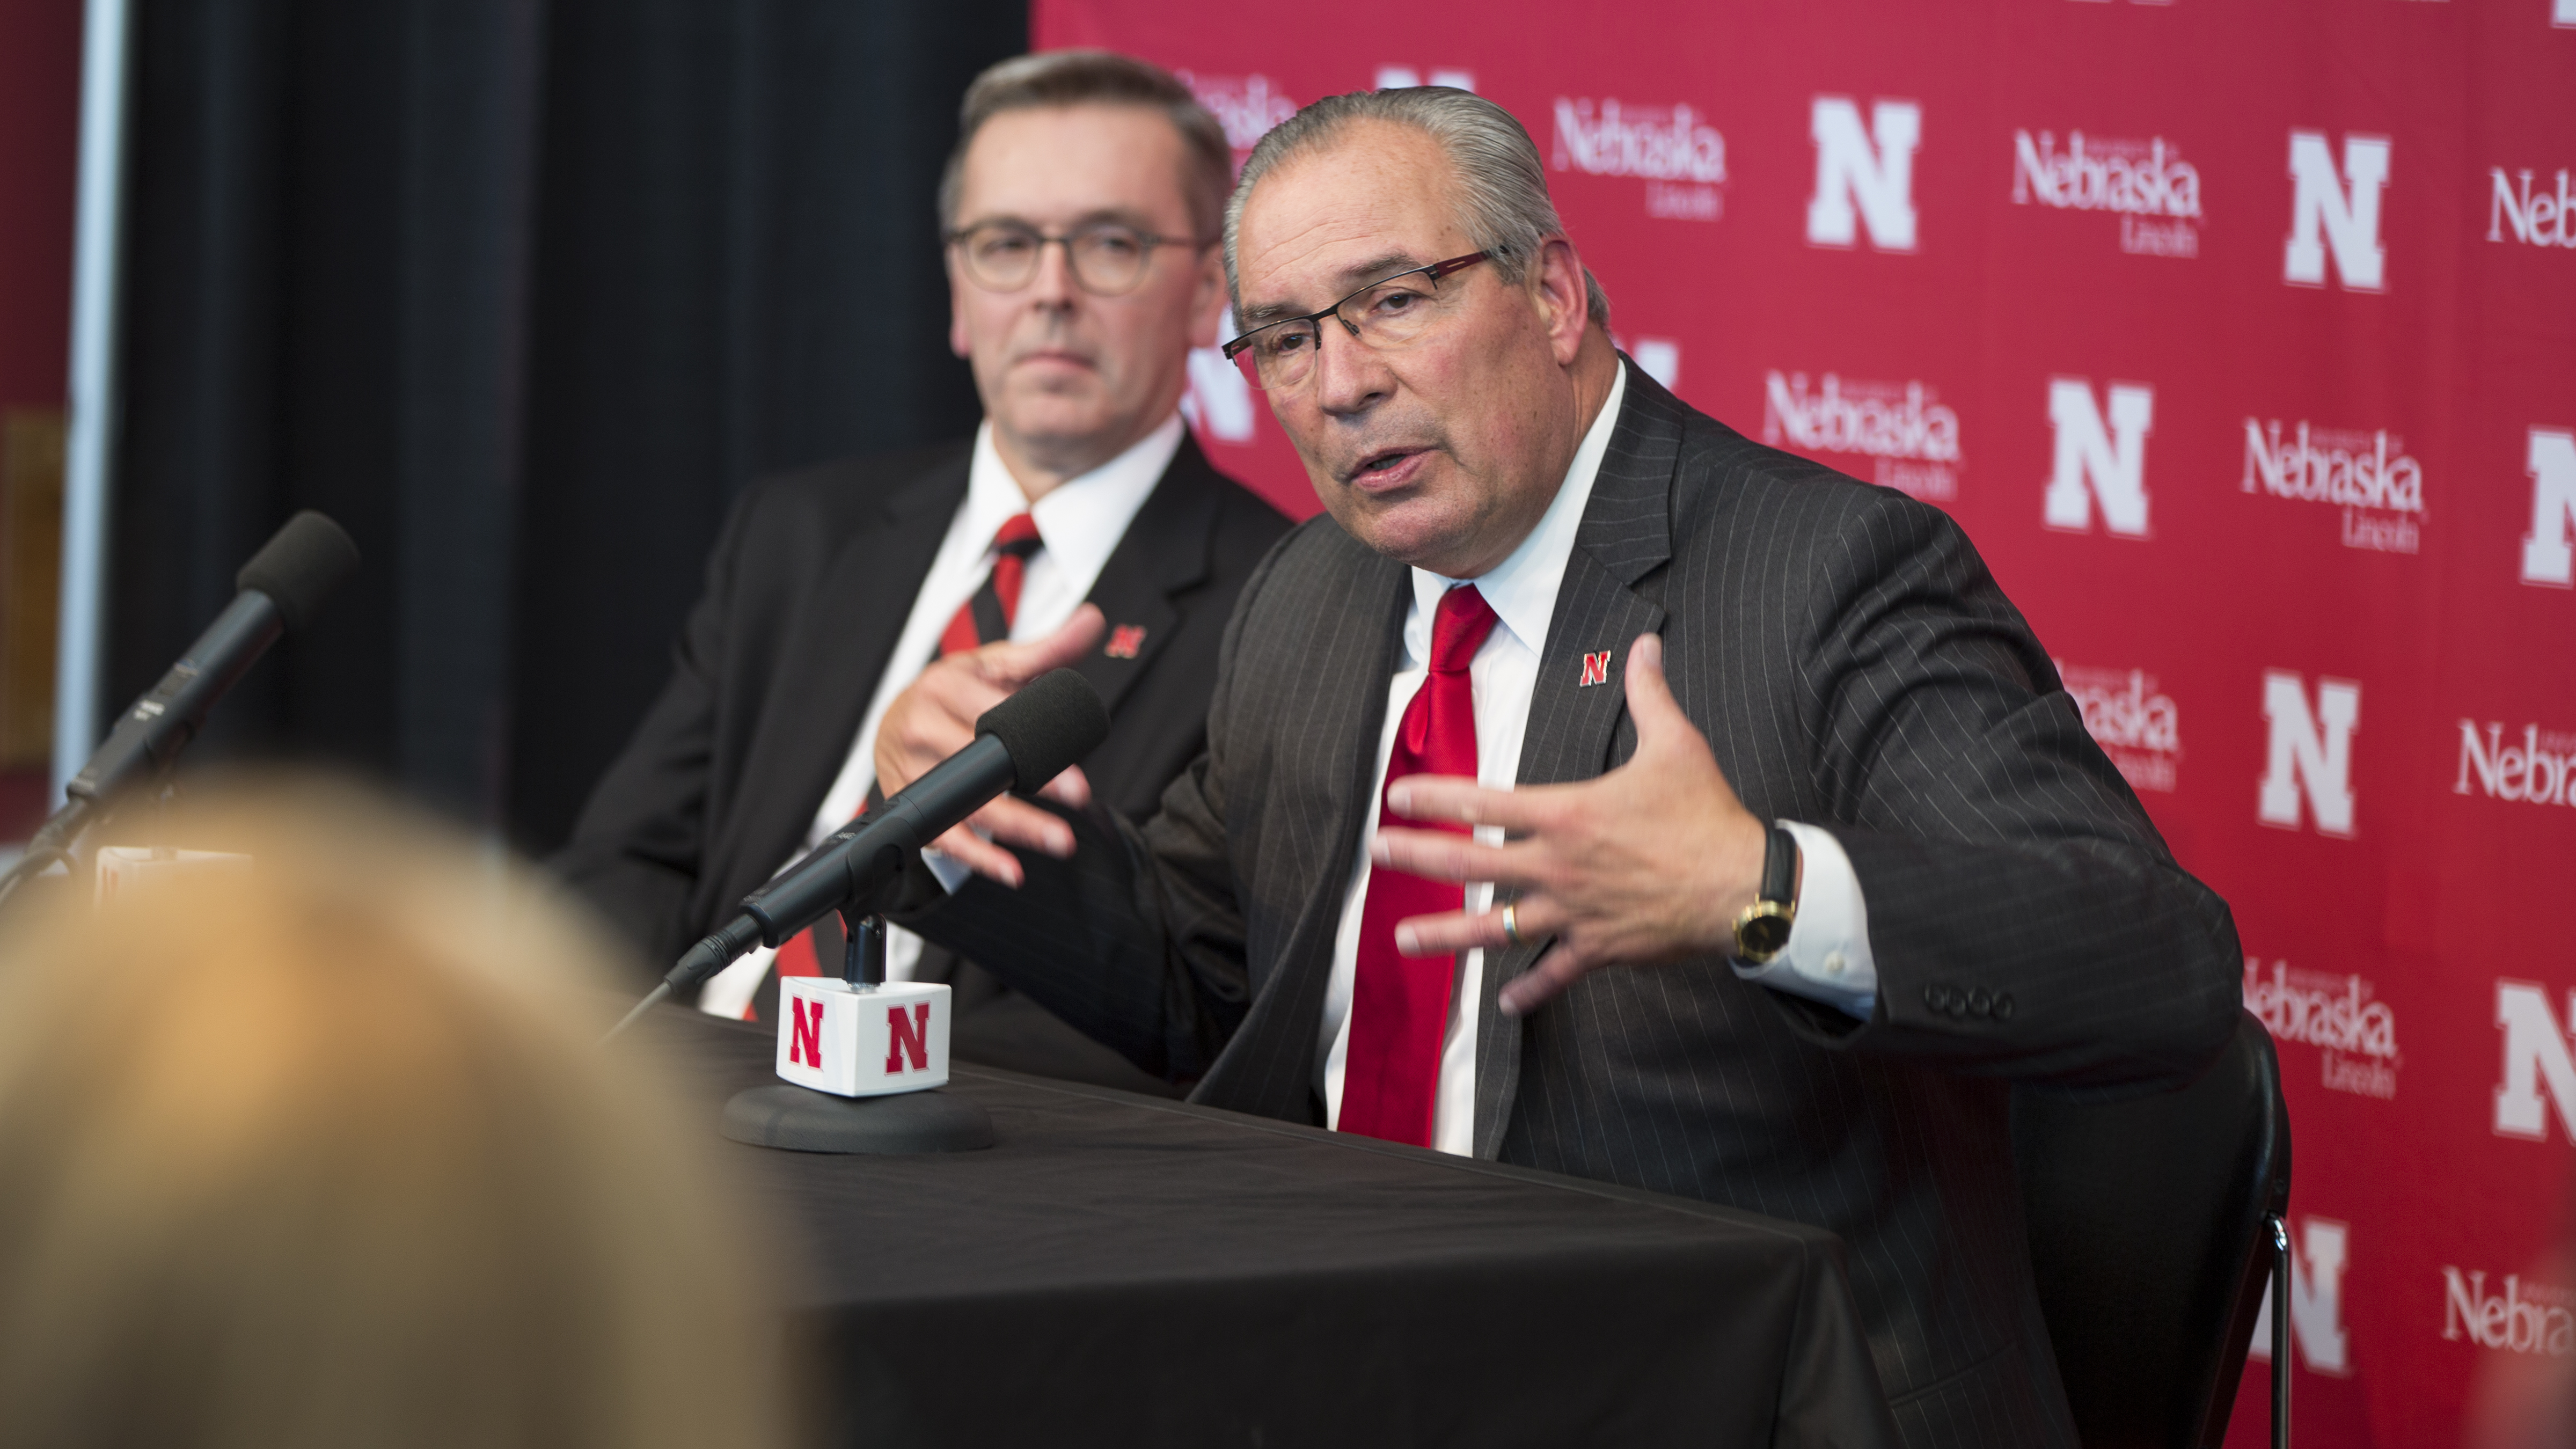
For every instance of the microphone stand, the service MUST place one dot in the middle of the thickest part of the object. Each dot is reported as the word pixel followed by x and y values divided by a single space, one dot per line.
pixel 32 865
pixel 1023 742
pixel 863 959
pixel 800 1119
pixel 857 968
pixel 66 849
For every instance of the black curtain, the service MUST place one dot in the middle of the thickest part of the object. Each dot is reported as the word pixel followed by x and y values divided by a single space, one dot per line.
pixel 522 292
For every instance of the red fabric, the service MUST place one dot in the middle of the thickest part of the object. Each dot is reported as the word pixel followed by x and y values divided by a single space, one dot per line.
pixel 796 958
pixel 1017 539
pixel 1400 1004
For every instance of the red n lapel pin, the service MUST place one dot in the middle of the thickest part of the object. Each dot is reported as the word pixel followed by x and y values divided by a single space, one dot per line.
pixel 1596 669
pixel 1124 641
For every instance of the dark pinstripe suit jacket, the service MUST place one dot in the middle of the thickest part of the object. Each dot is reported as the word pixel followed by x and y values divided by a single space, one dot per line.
pixel 1852 664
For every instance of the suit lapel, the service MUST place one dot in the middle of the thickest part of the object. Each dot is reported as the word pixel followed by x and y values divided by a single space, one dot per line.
pixel 1163 552
pixel 1340 711
pixel 828 671
pixel 1625 535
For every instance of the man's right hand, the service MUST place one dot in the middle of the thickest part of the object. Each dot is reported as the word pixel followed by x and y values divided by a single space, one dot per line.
pixel 936 717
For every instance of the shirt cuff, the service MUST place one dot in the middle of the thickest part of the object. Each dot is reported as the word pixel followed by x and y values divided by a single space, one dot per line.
pixel 1827 958
pixel 952 875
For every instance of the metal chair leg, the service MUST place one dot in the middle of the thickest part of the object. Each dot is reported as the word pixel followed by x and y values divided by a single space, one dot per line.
pixel 2280 1332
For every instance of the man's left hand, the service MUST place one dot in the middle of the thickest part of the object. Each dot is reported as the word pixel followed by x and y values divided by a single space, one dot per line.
pixel 1647 864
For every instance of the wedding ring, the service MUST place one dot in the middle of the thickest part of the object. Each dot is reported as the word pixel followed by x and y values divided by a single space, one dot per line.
pixel 1511 927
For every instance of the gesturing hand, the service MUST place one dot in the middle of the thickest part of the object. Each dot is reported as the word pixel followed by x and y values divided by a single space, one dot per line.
pixel 935 718
pixel 1648 863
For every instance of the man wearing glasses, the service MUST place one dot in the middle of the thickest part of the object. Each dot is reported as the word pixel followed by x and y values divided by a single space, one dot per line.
pixel 1598 790
pixel 1082 209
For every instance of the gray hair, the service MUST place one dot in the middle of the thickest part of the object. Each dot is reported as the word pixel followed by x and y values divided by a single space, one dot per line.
pixel 1502 184
pixel 1099 78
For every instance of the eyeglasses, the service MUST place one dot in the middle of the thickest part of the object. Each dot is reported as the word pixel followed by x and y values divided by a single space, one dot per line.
pixel 1107 259
pixel 1383 314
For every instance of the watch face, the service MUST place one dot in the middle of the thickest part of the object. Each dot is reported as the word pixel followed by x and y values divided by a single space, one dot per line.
pixel 1762 936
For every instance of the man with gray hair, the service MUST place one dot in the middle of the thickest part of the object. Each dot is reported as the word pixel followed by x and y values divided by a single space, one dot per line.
pixel 1081 207
pixel 1598 790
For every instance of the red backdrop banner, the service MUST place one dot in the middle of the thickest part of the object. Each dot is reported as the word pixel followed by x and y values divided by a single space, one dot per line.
pixel 2242 340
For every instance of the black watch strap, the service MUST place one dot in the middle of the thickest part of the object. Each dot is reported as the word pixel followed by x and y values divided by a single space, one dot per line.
pixel 1762 928
pixel 1780 867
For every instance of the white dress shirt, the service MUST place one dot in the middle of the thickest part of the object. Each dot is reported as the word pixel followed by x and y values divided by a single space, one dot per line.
pixel 1080 521
pixel 1831 928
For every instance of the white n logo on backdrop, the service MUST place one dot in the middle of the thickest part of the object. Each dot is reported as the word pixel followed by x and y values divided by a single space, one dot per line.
pixel 2316 1300
pixel 1405 78
pixel 1658 357
pixel 1851 169
pixel 2547 556
pixel 2337 209
pixel 2113 458
pixel 1219 400
pixel 2535 1053
pixel 2310 747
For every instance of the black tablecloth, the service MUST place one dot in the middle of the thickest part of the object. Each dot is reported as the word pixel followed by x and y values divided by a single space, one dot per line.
pixel 1122 1270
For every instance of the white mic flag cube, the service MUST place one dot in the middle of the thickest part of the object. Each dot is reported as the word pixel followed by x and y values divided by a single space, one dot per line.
pixel 862 1041
pixel 124 869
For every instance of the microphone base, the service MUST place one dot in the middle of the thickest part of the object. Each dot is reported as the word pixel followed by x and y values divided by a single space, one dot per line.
pixel 799 1119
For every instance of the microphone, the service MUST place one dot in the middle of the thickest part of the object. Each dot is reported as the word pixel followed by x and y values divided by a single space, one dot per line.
pixel 1020 744
pixel 282 587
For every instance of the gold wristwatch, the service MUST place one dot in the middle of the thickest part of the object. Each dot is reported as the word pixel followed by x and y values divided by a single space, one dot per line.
pixel 1762 928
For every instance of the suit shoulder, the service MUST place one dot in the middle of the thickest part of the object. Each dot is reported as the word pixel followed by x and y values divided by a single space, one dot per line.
pixel 793 523
pixel 844 491
pixel 1242 525
pixel 1320 542
pixel 1313 560
pixel 1722 472
pixel 1241 510
pixel 1851 551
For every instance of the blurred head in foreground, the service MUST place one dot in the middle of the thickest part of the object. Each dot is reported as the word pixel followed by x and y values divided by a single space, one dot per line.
pixel 325 1154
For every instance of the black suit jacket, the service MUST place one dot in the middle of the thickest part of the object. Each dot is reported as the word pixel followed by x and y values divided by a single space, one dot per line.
pixel 1853 665
pixel 809 585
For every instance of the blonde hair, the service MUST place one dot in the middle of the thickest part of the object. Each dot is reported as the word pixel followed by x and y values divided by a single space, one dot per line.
pixel 326 1154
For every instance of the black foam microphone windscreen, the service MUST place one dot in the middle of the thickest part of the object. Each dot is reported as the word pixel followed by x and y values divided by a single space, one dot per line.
pixel 1053 721
pixel 301 565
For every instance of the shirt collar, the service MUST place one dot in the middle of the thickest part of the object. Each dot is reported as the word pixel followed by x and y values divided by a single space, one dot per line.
pixel 1522 588
pixel 1081 518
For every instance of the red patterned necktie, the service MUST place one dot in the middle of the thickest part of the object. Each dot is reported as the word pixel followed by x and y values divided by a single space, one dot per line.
pixel 1400 1004
pixel 984 619
pixel 987 617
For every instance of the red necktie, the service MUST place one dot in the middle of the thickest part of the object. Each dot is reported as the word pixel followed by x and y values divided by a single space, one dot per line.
pixel 987 617
pixel 984 619
pixel 1400 1004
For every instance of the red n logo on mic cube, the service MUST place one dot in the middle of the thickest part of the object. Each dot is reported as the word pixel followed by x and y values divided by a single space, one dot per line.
pixel 805 1034
pixel 907 1037
pixel 862 1041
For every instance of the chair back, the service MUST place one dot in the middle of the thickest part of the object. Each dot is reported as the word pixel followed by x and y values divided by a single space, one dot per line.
pixel 2150 1242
